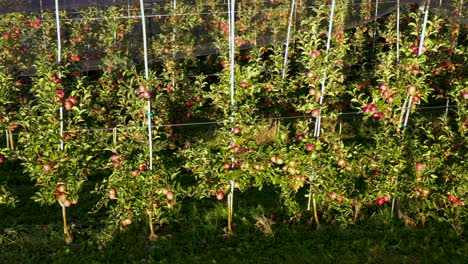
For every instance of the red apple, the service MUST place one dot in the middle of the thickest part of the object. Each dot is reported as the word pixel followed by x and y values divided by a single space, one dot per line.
pixel 380 201
pixel 46 168
pixel 309 147
pixel 315 113
pixel 341 162
pixel 419 166
pixel 383 86
pixel 112 194
pixel 73 99
pixel 332 195
pixel 61 188
pixel 68 104
pixel 220 196
pixel 125 222
pixel 465 95
pixel 411 90
pixel 236 130
pixel 169 195
pixel 314 54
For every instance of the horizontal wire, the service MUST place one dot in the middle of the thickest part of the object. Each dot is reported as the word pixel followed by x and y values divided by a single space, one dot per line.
pixel 222 121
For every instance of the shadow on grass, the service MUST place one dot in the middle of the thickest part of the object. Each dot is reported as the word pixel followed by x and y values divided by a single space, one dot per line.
pixel 197 236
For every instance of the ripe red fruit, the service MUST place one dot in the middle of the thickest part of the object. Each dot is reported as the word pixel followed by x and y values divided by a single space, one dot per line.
pixel 73 99
pixel 257 166
pixel 380 201
pixel 419 166
pixel 411 90
pixel 169 195
pixel 236 130
pixel 451 198
pixel 309 147
pixel 244 84
pixel 383 86
pixel 112 194
pixel 372 107
pixel 115 157
pixel 46 168
pixel 276 160
pixel 1 159
pixel 465 95
pixel 60 93
pixel 309 74
pixel 68 104
pixel 315 113
pixel 220 196
pixel 332 195
pixel 377 115
pixel 385 93
pixel 143 168
pixel 61 188
pixel 146 94
pixel 341 162
pixel 126 222
pixel 141 87
pixel 314 54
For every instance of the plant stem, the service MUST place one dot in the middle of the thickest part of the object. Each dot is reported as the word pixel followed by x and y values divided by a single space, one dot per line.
pixel 152 236
pixel 68 237
pixel 315 210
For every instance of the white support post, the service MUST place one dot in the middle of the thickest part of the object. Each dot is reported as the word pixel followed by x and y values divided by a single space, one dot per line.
pixel 232 21
pixel 398 34
pixel 420 50
pixel 286 51
pixel 330 27
pixel 7 138
pixel 145 50
pixel 59 60
pixel 375 24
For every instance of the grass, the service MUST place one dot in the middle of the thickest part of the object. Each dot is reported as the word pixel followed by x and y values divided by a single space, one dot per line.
pixel 30 233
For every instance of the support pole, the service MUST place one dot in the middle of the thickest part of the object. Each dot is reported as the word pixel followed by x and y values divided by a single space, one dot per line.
pixel 421 44
pixel 59 61
pixel 330 27
pixel 145 50
pixel 286 51
pixel 232 21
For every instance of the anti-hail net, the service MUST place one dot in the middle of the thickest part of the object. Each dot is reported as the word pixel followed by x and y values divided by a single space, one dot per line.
pixel 182 28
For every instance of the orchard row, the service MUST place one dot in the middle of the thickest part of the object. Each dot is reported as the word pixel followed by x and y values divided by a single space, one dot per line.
pixel 66 125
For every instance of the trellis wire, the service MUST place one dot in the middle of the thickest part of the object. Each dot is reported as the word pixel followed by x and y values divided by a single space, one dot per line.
pixel 222 121
pixel 330 27
pixel 286 51
pixel 145 48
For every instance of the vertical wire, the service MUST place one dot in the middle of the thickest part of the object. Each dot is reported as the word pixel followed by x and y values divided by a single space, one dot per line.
pixel 145 47
pixel 330 27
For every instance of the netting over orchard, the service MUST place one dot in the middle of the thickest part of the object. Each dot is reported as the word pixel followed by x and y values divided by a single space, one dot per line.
pixel 197 24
